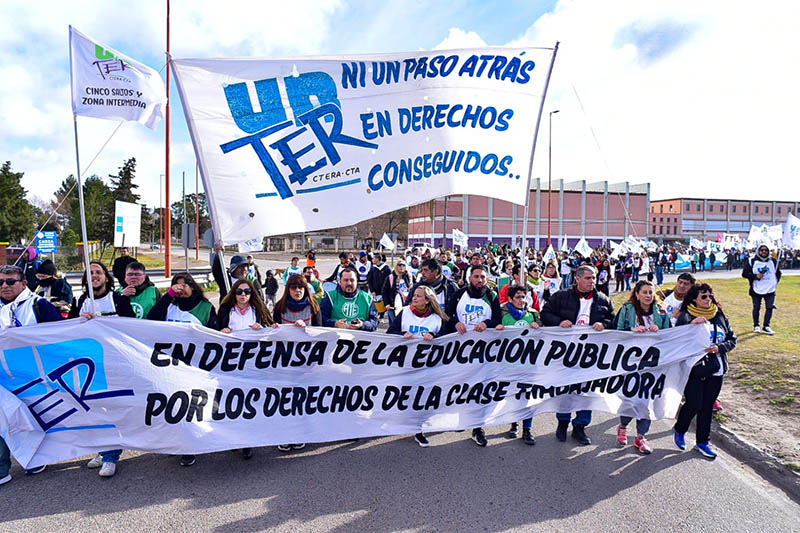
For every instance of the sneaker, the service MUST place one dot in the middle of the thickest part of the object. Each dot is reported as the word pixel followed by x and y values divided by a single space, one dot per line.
pixel 479 437
pixel 247 453
pixel 717 406
pixel 768 330
pixel 284 448
pixel 108 469
pixel 527 436
pixel 422 440
pixel 96 462
pixel 5 480
pixel 679 439
pixel 641 444
pixel 756 329
pixel 35 470
pixel 298 446
pixel 513 432
pixel 561 430
pixel 706 449
pixel 187 460
pixel 622 436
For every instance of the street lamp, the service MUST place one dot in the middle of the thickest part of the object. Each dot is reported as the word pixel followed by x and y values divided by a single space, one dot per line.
pixel 550 177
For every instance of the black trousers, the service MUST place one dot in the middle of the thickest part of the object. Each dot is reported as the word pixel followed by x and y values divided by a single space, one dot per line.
pixel 769 302
pixel 700 396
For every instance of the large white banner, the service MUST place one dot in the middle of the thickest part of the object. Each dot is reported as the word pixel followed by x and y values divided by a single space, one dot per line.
pixel 300 144
pixel 107 84
pixel 77 387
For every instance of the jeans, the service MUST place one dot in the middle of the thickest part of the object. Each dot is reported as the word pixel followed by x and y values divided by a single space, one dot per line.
pixel 392 316
pixel 5 459
pixel 627 282
pixel 659 275
pixel 635 275
pixel 769 303
pixel 642 424
pixel 111 456
pixel 527 423
pixel 565 284
pixel 700 397
pixel 582 418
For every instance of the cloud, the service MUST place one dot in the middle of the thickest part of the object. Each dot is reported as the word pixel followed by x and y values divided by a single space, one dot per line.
pixel 458 38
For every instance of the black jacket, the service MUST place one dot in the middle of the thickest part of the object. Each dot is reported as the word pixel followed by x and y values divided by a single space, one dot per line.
pixel 121 302
pixel 565 305
pixel 750 276
pixel 452 308
pixel 159 311
pixel 722 331
pixel 376 276
pixel 442 284
pixel 389 289
pixel 120 264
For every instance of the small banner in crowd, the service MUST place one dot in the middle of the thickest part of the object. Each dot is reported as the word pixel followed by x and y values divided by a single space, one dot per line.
pixel 386 242
pixel 107 84
pixel 77 387
pixel 460 238
pixel 290 145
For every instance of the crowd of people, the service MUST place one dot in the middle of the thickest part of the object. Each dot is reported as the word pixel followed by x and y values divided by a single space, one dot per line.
pixel 426 294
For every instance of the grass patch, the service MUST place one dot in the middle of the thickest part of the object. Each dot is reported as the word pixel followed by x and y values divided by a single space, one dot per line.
pixel 766 365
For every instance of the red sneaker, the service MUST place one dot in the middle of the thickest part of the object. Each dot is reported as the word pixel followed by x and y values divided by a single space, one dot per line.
pixel 717 406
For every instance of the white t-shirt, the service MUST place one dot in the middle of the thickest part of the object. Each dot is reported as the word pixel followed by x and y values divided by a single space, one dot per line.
pixel 239 321
pixel 671 303
pixel 769 283
pixel 584 313
pixel 472 311
pixel 104 306
pixel 419 326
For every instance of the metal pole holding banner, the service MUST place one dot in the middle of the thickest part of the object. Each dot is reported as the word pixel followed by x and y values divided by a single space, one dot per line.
pixel 167 221
pixel 185 226
pixel 530 166
pixel 550 177
pixel 83 217
pixel 196 212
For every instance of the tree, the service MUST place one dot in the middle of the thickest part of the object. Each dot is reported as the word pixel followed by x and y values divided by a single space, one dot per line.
pixel 122 185
pixel 16 214
pixel 177 212
pixel 62 202
pixel 99 206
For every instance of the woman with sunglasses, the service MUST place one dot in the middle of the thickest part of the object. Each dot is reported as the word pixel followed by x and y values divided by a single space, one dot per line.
pixel 518 312
pixel 395 289
pixel 243 308
pixel 641 313
pixel 107 302
pixel 423 319
pixel 536 282
pixel 705 381
pixel 296 306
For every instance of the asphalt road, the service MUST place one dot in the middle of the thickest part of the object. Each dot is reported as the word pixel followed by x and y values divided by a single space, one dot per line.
pixel 391 484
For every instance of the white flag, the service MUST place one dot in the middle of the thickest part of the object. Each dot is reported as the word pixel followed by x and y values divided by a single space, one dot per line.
pixel 583 248
pixel 386 242
pixel 252 245
pixel 110 85
pixel 300 144
pixel 564 246
pixel 791 232
pixel 459 238
pixel 549 255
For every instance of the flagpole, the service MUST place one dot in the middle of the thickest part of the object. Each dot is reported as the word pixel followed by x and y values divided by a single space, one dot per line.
pixel 530 166
pixel 87 263
pixel 167 221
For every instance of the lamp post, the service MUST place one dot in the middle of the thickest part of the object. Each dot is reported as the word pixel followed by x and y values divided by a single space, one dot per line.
pixel 550 177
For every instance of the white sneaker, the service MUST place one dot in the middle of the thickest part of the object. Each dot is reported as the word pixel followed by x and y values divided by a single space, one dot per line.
pixel 768 330
pixel 756 329
pixel 5 480
pixel 96 462
pixel 108 469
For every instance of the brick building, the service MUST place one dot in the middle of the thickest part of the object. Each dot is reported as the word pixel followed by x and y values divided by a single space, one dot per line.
pixel 704 218
pixel 594 210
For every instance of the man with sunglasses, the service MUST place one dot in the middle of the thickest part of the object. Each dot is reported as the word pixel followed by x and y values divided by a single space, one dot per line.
pixel 763 273
pixel 20 307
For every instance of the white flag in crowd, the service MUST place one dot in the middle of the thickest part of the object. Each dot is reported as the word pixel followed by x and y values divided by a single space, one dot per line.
pixel 107 84
pixel 460 238
pixel 386 242
pixel 583 248
pixel 791 232
pixel 550 254
pixel 564 245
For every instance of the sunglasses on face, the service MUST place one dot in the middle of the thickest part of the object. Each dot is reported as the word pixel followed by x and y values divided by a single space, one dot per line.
pixel 705 296
pixel 239 292
pixel 296 287
pixel 9 282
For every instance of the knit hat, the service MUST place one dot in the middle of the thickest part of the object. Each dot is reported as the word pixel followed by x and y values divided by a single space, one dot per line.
pixel 236 262
pixel 47 267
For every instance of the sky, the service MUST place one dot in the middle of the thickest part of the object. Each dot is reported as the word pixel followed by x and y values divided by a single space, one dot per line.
pixel 697 98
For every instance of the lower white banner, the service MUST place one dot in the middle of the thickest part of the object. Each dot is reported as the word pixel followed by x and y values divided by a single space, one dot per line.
pixel 77 387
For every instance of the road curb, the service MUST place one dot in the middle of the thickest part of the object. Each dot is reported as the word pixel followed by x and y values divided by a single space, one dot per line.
pixel 765 464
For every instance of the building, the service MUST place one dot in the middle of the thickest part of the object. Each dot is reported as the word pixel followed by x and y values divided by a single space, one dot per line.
pixel 596 211
pixel 703 218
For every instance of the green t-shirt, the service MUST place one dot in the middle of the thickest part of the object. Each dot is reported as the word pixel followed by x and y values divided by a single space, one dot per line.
pixel 349 309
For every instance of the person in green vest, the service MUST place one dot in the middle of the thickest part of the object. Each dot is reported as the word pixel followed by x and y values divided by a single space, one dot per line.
pixel 316 285
pixel 139 289
pixel 347 306
pixel 517 313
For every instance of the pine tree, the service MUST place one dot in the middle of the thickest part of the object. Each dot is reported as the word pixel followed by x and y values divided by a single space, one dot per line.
pixel 16 214
pixel 122 184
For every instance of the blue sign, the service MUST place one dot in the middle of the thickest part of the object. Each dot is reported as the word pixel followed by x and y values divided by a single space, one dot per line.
pixel 46 242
